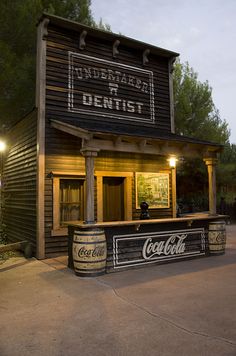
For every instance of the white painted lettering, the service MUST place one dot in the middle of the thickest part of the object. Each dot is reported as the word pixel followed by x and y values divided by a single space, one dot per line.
pixel 138 83
pixel 118 74
pixel 174 245
pixel 103 73
pixel 112 103
pixel 96 73
pixel 117 103
pixel 111 75
pixel 123 79
pixel 87 72
pixel 98 101
pixel 139 106
pixel 124 105
pixel 107 103
pixel 79 73
pixel 130 106
pixel 87 99
pixel 144 87
pixel 131 80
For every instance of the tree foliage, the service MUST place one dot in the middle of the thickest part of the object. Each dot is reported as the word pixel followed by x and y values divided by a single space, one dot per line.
pixel 195 112
pixel 196 116
pixel 18 20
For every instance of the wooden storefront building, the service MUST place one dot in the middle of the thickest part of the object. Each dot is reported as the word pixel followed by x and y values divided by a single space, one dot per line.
pixel 98 143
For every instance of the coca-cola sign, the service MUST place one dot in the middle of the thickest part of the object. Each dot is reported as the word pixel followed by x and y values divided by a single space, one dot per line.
pixel 145 248
pixel 173 246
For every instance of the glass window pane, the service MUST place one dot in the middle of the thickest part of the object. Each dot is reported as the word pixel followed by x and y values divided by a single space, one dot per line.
pixel 71 200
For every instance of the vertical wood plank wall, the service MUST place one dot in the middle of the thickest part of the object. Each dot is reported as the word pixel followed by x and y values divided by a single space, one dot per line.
pixel 61 41
pixel 19 179
pixel 72 161
pixel 63 150
pixel 128 162
pixel 62 155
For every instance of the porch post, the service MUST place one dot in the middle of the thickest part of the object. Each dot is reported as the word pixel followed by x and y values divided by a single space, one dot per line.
pixel 211 168
pixel 89 155
pixel 174 200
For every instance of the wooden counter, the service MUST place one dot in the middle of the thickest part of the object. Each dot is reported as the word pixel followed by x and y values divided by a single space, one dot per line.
pixel 185 218
pixel 142 242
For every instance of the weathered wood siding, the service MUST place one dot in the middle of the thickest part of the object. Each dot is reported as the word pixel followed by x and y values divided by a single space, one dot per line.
pixel 63 150
pixel 60 42
pixel 62 155
pixel 69 159
pixel 19 181
pixel 128 162
pixel 133 250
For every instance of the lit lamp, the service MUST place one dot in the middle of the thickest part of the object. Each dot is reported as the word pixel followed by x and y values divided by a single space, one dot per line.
pixel 2 146
pixel 2 149
pixel 172 161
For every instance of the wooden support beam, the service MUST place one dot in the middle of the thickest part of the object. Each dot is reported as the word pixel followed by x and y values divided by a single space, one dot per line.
pixel 115 50
pixel 40 105
pixel 211 168
pixel 89 155
pixel 109 145
pixel 174 200
pixel 82 43
pixel 72 130
pixel 146 53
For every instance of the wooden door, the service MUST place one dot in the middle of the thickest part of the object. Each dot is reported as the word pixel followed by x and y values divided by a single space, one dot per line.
pixel 113 198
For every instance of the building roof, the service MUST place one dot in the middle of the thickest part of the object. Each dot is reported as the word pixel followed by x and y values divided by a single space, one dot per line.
pixel 146 139
pixel 134 131
pixel 110 36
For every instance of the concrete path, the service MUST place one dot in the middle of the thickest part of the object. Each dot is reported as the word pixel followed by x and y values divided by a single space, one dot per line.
pixel 185 308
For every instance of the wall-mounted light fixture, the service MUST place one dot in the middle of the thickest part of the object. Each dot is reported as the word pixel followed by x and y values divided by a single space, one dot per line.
pixel 2 145
pixel 172 161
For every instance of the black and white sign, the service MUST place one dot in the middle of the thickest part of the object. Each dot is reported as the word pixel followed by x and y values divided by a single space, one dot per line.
pixel 104 88
pixel 145 248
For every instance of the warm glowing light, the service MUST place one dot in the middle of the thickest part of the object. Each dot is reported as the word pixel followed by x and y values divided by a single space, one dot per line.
pixel 172 162
pixel 2 146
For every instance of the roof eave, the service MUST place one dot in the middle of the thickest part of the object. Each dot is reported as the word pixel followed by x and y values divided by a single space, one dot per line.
pixel 97 33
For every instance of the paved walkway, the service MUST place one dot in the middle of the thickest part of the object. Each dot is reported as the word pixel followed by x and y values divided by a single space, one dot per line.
pixel 185 308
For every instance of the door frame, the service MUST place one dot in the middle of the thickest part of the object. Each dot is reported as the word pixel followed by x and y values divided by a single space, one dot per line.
pixel 128 176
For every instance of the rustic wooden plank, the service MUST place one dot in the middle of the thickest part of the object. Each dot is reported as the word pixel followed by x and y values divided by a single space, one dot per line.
pixel 20 181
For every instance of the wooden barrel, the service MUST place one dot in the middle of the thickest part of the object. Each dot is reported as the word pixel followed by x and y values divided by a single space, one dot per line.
pixel 89 252
pixel 217 237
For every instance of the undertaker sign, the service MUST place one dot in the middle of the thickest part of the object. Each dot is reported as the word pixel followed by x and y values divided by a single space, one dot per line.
pixel 98 87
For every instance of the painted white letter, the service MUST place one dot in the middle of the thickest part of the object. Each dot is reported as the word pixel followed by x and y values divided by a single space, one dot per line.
pixel 87 99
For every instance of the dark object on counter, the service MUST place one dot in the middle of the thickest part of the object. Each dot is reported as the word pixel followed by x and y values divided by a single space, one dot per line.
pixel 144 211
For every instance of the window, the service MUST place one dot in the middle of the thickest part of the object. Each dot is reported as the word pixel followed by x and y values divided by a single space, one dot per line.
pixel 71 200
pixel 68 203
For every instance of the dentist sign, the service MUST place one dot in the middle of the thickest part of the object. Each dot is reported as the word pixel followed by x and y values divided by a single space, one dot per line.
pixel 99 87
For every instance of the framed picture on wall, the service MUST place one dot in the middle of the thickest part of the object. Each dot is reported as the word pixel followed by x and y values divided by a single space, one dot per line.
pixel 153 188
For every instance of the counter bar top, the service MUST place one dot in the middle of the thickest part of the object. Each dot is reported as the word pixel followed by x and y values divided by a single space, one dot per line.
pixel 187 218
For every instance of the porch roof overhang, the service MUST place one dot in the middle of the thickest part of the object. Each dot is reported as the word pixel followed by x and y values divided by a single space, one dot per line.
pixel 135 139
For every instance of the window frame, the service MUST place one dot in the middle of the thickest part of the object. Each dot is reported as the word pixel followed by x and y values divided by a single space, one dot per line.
pixel 57 229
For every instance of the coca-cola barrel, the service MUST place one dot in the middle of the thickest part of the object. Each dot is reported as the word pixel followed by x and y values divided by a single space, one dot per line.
pixel 89 252
pixel 217 237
